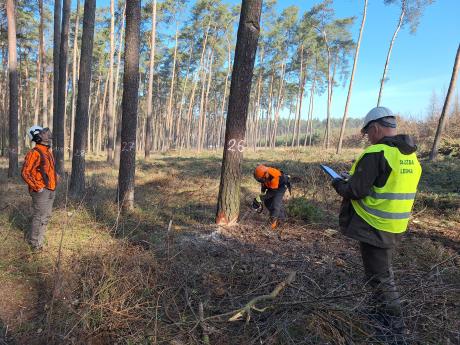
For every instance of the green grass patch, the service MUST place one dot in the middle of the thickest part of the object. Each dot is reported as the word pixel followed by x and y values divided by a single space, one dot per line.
pixel 302 209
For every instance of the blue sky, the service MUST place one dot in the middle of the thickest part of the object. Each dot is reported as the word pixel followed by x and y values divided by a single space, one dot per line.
pixel 421 63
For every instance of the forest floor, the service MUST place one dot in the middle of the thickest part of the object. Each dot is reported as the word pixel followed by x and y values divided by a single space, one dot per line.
pixel 165 274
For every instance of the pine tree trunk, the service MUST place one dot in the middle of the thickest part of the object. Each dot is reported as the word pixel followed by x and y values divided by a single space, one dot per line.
pixel 352 77
pixel 21 109
pixel 329 90
pixel 303 79
pixel 228 201
pixel 190 116
pixel 309 133
pixel 200 117
pixel 92 117
pixel 202 75
pixel 25 98
pixel 110 113
pixel 39 65
pixel 279 104
pixel 169 115
pixel 202 114
pixel 59 125
pixel 51 112
pixel 116 158
pixel 101 116
pixel 116 108
pixel 56 55
pixel 269 111
pixel 385 69
pixel 13 167
pixel 258 108
pixel 445 108
pixel 77 179
pixel 204 136
pixel 295 134
pixel 179 124
pixel 74 75
pixel 129 105
pixel 148 132
pixel 44 119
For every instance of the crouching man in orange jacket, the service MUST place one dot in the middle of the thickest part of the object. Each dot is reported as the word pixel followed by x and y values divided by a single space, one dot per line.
pixel 273 186
pixel 39 173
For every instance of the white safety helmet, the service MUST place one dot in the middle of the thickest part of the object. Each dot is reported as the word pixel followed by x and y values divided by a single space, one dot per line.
pixel 387 116
pixel 34 130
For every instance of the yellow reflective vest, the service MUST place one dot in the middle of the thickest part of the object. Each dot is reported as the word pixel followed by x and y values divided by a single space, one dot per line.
pixel 388 208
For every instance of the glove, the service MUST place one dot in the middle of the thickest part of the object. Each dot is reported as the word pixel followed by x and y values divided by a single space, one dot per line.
pixel 345 175
pixel 257 205
pixel 335 182
pixel 40 190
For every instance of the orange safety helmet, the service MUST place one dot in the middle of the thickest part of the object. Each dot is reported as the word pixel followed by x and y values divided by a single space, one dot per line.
pixel 260 172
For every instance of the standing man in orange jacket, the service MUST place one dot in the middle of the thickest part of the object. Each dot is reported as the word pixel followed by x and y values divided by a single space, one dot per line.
pixel 39 173
pixel 273 186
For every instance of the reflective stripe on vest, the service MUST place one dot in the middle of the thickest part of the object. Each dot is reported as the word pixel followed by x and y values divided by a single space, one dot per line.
pixel 388 208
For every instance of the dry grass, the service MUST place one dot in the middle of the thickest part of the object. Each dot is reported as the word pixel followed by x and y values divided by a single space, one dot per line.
pixel 129 280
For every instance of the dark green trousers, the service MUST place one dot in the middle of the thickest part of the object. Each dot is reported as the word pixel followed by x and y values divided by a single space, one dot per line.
pixel 379 275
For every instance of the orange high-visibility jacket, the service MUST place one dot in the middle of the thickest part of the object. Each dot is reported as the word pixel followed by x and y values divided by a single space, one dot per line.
pixel 38 170
pixel 274 181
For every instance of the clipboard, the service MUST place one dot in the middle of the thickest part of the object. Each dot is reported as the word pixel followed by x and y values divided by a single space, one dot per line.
pixel 330 172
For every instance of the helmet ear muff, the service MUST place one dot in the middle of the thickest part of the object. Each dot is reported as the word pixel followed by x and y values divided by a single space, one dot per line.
pixel 36 137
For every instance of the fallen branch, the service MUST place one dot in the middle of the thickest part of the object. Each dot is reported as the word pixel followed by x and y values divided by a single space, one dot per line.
pixel 246 310
pixel 203 325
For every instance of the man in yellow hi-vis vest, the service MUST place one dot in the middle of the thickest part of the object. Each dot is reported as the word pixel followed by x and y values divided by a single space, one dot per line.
pixel 377 201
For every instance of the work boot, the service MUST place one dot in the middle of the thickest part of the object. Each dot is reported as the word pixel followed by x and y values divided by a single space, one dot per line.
pixel 274 223
pixel 272 228
pixel 390 329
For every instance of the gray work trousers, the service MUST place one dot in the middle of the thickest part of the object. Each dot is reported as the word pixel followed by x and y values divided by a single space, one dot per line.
pixel 379 274
pixel 42 204
pixel 273 201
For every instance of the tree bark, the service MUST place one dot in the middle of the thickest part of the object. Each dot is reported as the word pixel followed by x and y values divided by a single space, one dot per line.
pixel 148 129
pixel 352 77
pixel 257 108
pixel 56 55
pixel 329 90
pixel 269 110
pixel 110 112
pixel 190 116
pixel 116 109
pixel 445 108
pixel 228 201
pixel 303 79
pixel 59 124
pixel 91 116
pixel 74 74
pixel 39 65
pixel 169 115
pixel 77 178
pixel 309 133
pixel 129 105
pixel 101 116
pixel 45 77
pixel 13 167
pixel 206 98
pixel 298 110
pixel 224 99
pixel 385 69
pixel 179 125
pixel 279 104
